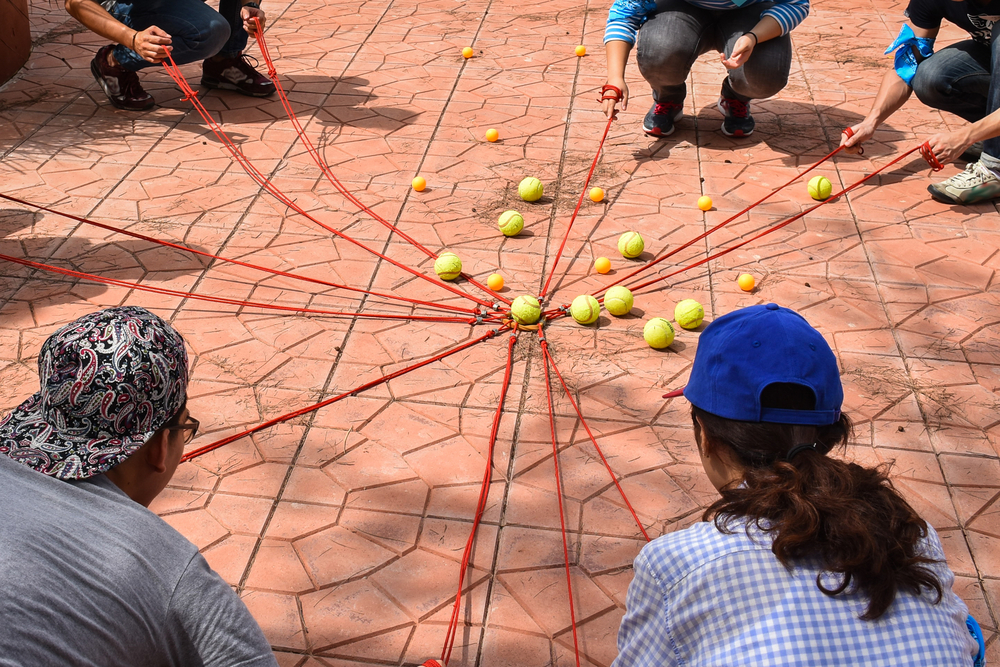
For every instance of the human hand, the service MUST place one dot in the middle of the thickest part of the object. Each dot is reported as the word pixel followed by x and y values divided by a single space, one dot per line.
pixel 152 44
pixel 946 146
pixel 250 13
pixel 860 133
pixel 741 52
pixel 608 105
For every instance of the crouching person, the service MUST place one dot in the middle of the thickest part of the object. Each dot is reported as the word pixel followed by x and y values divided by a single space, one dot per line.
pixel 805 559
pixel 90 576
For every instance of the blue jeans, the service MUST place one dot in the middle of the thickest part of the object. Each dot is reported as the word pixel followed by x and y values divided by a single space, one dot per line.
pixel 672 39
pixel 959 79
pixel 196 30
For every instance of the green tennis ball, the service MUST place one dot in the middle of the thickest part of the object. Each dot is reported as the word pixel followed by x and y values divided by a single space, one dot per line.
pixel 511 223
pixel 526 309
pixel 585 309
pixel 618 300
pixel 448 266
pixel 630 244
pixel 658 333
pixel 820 188
pixel 530 189
pixel 689 314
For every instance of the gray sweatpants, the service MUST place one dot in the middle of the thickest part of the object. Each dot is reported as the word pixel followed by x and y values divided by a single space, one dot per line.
pixel 678 33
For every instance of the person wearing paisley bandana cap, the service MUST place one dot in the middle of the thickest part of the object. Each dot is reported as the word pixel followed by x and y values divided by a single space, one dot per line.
pixel 805 559
pixel 89 575
pixel 961 79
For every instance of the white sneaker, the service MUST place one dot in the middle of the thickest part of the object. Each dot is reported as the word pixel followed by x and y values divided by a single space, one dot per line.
pixel 974 185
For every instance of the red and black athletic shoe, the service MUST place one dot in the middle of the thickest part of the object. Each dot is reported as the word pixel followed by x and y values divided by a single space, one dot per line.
pixel 737 122
pixel 659 121
pixel 235 74
pixel 119 84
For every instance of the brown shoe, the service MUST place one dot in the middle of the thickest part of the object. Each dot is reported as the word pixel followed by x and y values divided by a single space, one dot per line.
pixel 120 85
pixel 236 74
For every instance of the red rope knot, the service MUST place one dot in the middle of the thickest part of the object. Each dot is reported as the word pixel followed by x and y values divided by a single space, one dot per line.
pixel 850 133
pixel 608 88
pixel 189 94
pixel 928 155
pixel 432 663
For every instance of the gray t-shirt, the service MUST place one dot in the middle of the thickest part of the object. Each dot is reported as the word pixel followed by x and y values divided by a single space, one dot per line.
pixel 90 578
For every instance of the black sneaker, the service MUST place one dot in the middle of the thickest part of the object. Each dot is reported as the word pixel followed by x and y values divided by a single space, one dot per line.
pixel 119 84
pixel 659 122
pixel 236 74
pixel 737 122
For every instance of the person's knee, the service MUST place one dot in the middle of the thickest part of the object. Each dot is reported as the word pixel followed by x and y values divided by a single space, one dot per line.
pixel 930 86
pixel 211 36
pixel 663 62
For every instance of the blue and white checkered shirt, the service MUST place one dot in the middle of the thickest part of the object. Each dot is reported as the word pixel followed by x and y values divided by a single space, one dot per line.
pixel 702 597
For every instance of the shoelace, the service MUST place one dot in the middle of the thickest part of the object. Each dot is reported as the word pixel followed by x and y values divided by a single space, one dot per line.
pixel 737 109
pixel 246 67
pixel 974 173
pixel 132 88
pixel 665 108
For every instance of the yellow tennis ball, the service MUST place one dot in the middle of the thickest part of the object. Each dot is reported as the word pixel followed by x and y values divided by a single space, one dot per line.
pixel 689 314
pixel 596 194
pixel 705 203
pixel 658 333
pixel 585 309
pixel 511 223
pixel 530 189
pixel 467 52
pixel 630 244
pixel 419 183
pixel 618 300
pixel 581 50
pixel 526 309
pixel 448 266
pixel 492 135
pixel 820 188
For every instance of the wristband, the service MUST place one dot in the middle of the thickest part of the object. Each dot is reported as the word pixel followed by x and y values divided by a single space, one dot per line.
pixel 134 35
pixel 251 4
pixel 751 32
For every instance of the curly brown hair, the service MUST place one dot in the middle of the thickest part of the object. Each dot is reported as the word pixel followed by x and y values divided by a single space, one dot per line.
pixel 815 505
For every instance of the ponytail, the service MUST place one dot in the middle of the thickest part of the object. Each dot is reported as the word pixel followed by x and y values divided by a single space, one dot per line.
pixel 849 516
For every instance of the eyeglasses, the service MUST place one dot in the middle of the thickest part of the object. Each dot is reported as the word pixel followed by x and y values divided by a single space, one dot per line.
pixel 190 425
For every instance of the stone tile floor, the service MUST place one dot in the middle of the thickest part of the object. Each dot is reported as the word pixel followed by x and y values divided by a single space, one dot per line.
pixel 343 529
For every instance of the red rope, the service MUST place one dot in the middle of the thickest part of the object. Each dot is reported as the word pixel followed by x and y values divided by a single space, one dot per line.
pixel 330 176
pixel 579 203
pixel 778 226
pixel 276 272
pixel 263 181
pixel 231 302
pixel 322 404
pixel 722 224
pixel 484 492
pixel 559 496
pixel 569 395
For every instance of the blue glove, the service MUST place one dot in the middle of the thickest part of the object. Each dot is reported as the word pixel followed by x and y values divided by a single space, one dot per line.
pixel 906 61
pixel 977 634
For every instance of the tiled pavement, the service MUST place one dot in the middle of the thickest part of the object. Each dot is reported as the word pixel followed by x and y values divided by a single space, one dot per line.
pixel 343 529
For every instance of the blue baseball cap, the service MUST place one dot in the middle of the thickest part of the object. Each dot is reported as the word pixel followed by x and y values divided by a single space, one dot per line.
pixel 741 353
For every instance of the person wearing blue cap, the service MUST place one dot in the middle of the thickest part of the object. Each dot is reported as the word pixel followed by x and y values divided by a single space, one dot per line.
pixel 806 559
pixel 90 576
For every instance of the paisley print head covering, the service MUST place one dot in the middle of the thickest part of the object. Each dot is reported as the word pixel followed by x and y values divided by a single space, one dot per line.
pixel 109 380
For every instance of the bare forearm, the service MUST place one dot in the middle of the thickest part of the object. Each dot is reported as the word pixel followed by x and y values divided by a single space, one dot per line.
pixel 617 54
pixel 892 94
pixel 95 18
pixel 767 28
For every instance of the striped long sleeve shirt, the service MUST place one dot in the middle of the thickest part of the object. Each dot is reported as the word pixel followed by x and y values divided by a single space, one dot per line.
pixel 627 16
